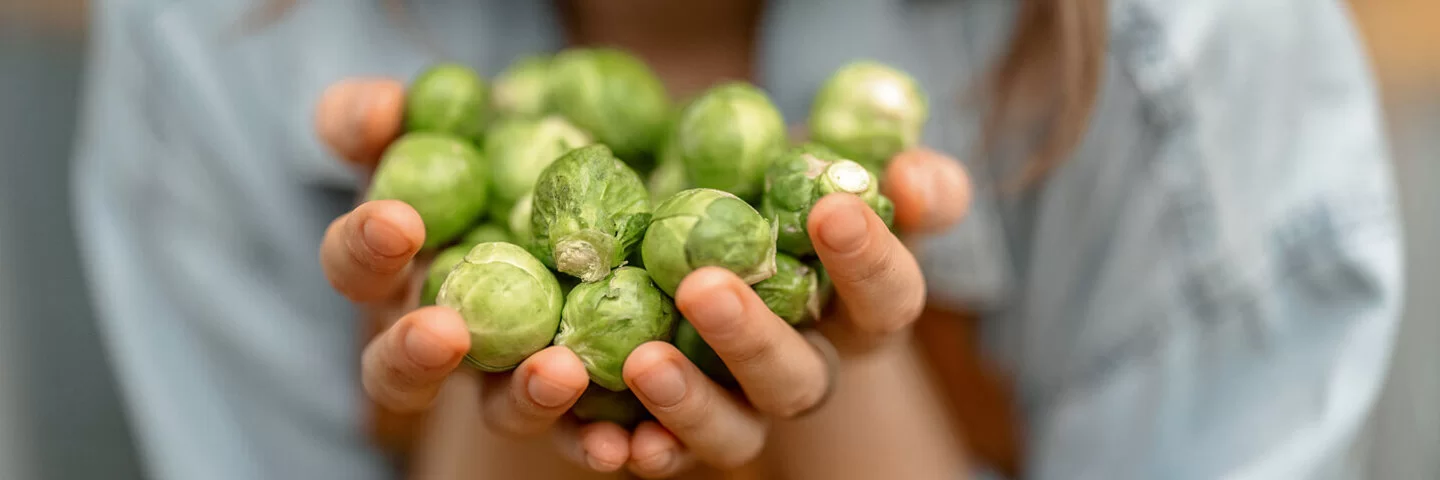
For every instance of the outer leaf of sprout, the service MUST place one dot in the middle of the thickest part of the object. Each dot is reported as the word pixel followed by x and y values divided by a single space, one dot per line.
pixel 441 176
pixel 518 149
pixel 590 211
pixel 510 302
pixel 447 98
pixel 801 177
pixel 869 112
pixel 703 227
pixel 523 89
pixel 793 292
pixel 727 138
pixel 604 321
pixel 613 95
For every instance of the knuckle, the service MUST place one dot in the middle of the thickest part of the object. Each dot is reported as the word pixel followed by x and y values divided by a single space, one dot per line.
pixel 692 414
pixel 872 265
pixel 792 405
pixel 738 455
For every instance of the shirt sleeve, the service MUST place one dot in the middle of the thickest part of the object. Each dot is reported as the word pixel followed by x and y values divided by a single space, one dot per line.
pixel 1230 314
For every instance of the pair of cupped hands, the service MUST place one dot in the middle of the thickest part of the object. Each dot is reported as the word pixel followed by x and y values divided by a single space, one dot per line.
pixel 371 255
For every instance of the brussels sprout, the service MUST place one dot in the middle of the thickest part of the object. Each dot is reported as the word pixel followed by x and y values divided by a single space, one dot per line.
pixel 448 258
pixel 447 98
pixel 869 112
pixel 614 96
pixel 523 89
pixel 599 404
pixel 589 213
pixel 801 177
pixel 509 300
pixel 440 267
pixel 688 342
pixel 703 227
pixel 518 149
pixel 666 180
pixel 519 221
pixel 604 321
pixel 727 138
pixel 793 293
pixel 486 232
pixel 442 177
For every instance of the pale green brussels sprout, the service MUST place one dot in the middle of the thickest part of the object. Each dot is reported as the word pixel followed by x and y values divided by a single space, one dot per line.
pixel 613 95
pixel 518 149
pixel 510 302
pixel 802 176
pixel 448 258
pixel 703 227
pixel 519 221
pixel 487 232
pixel 440 267
pixel 667 179
pixel 604 321
pixel 727 138
pixel 523 89
pixel 793 293
pixel 447 98
pixel 689 343
pixel 599 404
pixel 590 211
pixel 444 178
pixel 868 112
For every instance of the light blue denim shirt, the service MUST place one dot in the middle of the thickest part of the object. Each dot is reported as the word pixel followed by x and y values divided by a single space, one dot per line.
pixel 1207 288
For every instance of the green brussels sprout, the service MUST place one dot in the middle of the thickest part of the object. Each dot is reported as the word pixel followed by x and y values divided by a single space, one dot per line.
pixel 518 149
pixel 523 89
pixel 604 321
pixel 804 175
pixel 667 179
pixel 599 404
pixel 689 343
pixel 448 258
pixel 509 300
pixel 589 213
pixel 869 112
pixel 519 221
pixel 447 98
pixel 440 267
pixel 441 176
pixel 793 293
pixel 486 232
pixel 613 95
pixel 703 227
pixel 727 138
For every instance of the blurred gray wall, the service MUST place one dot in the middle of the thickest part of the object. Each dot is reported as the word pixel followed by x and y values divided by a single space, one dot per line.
pixel 60 417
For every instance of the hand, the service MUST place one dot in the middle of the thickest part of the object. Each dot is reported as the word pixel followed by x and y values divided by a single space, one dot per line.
pixel 372 256
pixel 783 372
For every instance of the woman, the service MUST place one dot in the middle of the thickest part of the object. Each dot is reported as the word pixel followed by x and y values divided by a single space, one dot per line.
pixel 1179 242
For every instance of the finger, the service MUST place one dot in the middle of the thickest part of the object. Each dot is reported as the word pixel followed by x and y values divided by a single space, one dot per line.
pixel 358 118
pixel 874 275
pixel 404 367
pixel 931 191
pixel 532 398
pixel 781 373
pixel 601 446
pixel 712 424
pixel 366 252
pixel 656 453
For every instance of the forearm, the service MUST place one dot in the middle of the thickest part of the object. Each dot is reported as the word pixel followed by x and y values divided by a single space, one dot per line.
pixel 886 419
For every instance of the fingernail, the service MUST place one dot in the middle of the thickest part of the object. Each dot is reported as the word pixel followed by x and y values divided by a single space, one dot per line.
pixel 720 308
pixel 844 231
pixel 547 393
pixel 384 239
pixel 425 349
pixel 663 385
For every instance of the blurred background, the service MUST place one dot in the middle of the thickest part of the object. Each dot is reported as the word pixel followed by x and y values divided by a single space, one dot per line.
pixel 60 417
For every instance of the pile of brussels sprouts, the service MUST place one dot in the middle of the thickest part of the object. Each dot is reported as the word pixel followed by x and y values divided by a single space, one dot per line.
pixel 568 197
